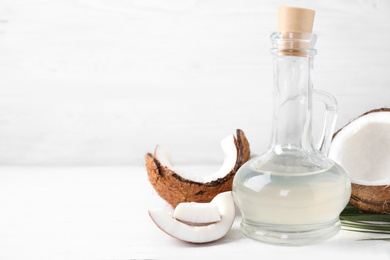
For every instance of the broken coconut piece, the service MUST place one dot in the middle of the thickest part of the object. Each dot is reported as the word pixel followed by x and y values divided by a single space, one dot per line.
pixel 176 185
pixel 198 233
pixel 193 212
pixel 362 147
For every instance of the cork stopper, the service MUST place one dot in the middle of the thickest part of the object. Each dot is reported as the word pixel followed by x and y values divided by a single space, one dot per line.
pixel 294 19
pixel 295 26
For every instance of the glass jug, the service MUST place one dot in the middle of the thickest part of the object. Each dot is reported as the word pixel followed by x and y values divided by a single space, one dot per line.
pixel 293 194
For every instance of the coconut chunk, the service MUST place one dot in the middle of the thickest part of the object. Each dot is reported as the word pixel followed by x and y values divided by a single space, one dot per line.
pixel 193 212
pixel 202 233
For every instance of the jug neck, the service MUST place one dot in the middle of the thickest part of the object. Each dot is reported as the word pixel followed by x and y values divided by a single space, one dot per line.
pixel 293 91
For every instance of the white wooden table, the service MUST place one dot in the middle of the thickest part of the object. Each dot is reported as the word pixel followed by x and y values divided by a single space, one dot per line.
pixel 101 213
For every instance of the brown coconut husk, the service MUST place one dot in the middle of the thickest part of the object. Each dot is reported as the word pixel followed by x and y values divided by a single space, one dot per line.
pixel 370 199
pixel 175 189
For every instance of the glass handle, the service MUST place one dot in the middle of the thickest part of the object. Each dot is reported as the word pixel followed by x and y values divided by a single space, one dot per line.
pixel 330 120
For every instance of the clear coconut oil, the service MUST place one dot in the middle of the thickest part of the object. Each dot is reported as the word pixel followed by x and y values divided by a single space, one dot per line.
pixel 295 205
pixel 293 193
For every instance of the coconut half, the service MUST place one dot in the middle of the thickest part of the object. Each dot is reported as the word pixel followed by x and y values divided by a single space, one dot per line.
pixel 198 232
pixel 176 185
pixel 362 147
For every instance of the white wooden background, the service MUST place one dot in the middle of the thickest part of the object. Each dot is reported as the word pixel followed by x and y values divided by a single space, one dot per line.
pixel 101 82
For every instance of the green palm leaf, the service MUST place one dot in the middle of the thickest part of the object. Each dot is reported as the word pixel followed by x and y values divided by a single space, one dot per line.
pixel 353 220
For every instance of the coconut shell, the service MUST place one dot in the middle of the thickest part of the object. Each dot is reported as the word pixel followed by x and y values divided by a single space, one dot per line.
pixel 370 199
pixel 175 189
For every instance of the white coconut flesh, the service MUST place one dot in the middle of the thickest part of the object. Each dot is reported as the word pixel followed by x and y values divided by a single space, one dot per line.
pixel 193 212
pixel 202 233
pixel 230 157
pixel 363 149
